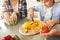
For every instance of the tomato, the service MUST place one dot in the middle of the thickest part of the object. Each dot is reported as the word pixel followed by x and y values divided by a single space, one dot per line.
pixel 45 29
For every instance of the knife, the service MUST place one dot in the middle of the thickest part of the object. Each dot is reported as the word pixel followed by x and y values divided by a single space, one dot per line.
pixel 32 19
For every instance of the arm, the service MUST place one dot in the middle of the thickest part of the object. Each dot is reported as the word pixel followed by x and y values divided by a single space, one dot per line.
pixel 57 33
pixel 57 21
pixel 52 32
pixel 6 14
pixel 5 10
pixel 51 23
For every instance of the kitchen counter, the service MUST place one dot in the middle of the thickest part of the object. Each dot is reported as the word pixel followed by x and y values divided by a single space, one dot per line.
pixel 14 30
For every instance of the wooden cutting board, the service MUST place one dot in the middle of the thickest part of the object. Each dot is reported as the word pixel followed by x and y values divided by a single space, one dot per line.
pixel 33 30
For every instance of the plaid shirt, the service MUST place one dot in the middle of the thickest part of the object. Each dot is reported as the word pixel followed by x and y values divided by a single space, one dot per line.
pixel 22 7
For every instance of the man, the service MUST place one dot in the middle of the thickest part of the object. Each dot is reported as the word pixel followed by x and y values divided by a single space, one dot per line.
pixel 49 13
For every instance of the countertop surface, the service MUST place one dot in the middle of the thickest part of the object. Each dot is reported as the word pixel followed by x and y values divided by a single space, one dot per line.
pixel 14 30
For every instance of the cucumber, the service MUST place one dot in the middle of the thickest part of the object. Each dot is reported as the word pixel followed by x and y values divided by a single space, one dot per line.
pixel 12 23
pixel 16 37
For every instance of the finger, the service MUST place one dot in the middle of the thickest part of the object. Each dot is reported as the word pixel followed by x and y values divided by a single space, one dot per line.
pixel 40 31
pixel 7 20
pixel 14 19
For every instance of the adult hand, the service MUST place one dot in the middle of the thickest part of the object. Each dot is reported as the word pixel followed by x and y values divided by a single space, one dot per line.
pixel 50 23
pixel 9 20
pixel 50 33
pixel 14 16
pixel 7 17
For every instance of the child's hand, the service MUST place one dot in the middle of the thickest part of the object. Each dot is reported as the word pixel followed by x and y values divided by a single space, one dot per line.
pixel 30 13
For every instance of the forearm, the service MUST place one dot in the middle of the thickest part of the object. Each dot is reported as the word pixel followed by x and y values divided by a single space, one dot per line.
pixel 57 33
pixel 14 14
pixel 56 21
pixel 51 23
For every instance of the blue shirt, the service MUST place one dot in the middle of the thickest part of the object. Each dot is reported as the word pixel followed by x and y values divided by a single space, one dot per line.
pixel 55 11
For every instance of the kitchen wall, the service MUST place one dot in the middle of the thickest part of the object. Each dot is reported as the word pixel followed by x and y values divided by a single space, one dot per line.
pixel 57 0
pixel 31 3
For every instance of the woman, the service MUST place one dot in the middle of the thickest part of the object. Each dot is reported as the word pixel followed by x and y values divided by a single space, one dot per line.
pixel 49 13
pixel 13 9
